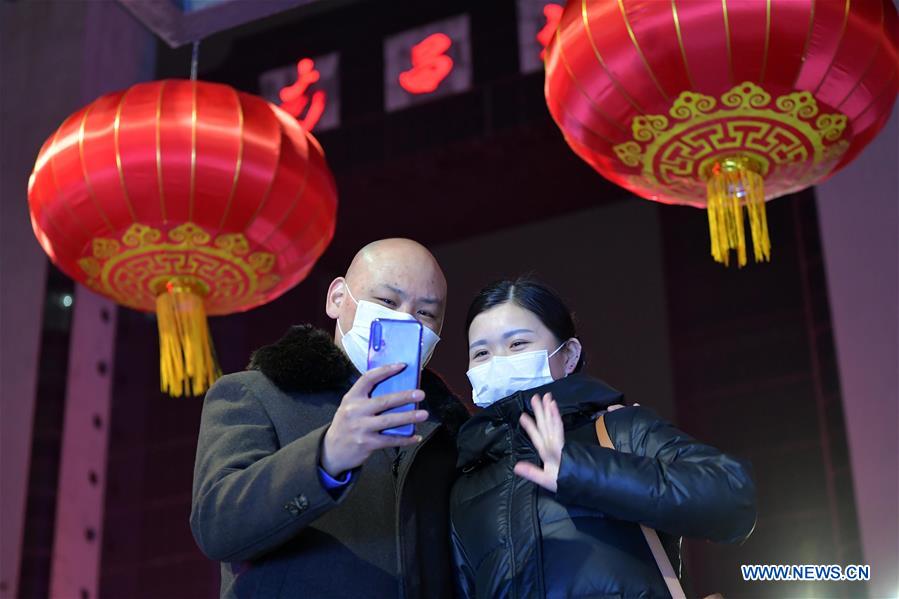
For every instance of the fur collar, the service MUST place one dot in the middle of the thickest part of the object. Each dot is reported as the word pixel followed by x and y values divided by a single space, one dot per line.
pixel 306 360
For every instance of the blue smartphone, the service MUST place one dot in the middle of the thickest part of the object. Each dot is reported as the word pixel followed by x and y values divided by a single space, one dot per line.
pixel 392 342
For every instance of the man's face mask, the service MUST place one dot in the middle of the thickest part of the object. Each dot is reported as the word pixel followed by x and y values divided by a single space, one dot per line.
pixel 355 341
pixel 504 375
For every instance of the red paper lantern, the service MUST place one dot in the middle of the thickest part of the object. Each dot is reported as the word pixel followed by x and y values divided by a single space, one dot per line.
pixel 722 103
pixel 185 198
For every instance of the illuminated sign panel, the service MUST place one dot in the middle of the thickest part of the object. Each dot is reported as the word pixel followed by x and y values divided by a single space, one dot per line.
pixel 427 62
pixel 420 65
pixel 537 23
pixel 309 89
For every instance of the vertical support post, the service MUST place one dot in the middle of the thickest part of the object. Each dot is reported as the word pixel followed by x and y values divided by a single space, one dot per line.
pixel 77 543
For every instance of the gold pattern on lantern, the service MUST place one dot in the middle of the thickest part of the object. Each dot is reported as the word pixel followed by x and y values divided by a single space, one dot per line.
pixel 797 144
pixel 262 261
pixel 732 153
pixel 138 234
pixel 105 248
pixel 235 243
pixel 135 269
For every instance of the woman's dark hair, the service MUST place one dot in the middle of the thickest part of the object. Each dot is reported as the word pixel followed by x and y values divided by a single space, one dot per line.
pixel 534 297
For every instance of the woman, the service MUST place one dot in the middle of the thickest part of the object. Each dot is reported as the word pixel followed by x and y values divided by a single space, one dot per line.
pixel 541 509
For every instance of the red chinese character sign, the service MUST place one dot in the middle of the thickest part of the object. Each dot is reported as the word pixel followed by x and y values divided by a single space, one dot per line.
pixel 722 105
pixel 308 89
pixel 294 99
pixel 552 13
pixel 184 198
pixel 537 24
pixel 426 63
pixel 430 65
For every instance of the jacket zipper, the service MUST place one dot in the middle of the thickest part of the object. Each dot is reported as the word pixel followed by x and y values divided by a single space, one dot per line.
pixel 512 563
pixel 399 500
pixel 535 522
pixel 538 538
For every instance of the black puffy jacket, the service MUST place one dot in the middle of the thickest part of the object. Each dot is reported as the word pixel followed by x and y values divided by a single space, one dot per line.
pixel 512 538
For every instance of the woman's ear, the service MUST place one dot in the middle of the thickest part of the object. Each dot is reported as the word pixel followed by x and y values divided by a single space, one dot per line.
pixel 572 351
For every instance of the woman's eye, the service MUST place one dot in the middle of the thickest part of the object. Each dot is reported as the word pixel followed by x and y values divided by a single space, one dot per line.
pixel 425 314
pixel 479 354
pixel 387 301
pixel 518 344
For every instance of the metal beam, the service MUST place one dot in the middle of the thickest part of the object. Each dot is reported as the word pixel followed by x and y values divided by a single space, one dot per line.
pixel 176 27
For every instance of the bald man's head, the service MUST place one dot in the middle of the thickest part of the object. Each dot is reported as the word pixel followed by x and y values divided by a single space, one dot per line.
pixel 399 274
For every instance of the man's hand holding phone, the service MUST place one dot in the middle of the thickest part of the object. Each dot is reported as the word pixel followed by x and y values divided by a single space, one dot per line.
pixel 355 431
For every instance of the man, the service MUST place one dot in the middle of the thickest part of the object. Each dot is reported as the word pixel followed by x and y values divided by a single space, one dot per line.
pixel 295 490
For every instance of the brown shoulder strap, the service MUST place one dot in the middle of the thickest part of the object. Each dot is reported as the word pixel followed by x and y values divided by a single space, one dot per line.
pixel 652 538
pixel 602 434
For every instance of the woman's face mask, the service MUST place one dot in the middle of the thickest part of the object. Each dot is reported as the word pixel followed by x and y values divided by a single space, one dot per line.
pixel 355 341
pixel 504 375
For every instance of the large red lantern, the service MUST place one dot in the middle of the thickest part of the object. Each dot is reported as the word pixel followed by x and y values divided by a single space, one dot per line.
pixel 185 198
pixel 722 103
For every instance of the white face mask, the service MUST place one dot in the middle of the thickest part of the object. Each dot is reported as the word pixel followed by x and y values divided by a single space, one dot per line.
pixel 355 341
pixel 504 375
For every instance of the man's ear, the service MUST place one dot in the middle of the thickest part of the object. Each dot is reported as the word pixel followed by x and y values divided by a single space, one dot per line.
pixel 335 298
pixel 573 354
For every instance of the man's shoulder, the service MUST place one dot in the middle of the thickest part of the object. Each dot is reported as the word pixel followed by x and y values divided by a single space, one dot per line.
pixel 245 383
pixel 252 391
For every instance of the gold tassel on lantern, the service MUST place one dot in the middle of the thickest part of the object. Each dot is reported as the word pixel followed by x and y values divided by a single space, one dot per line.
pixel 187 361
pixel 735 182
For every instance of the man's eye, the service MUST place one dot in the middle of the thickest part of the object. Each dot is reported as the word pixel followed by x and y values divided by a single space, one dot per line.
pixel 479 354
pixel 387 301
pixel 518 343
pixel 425 314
